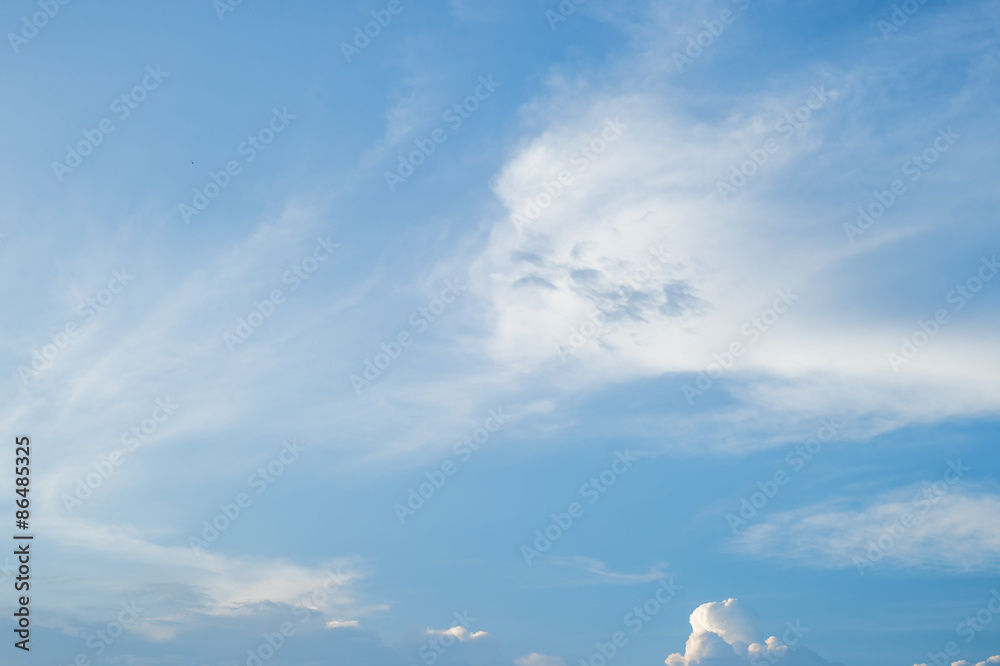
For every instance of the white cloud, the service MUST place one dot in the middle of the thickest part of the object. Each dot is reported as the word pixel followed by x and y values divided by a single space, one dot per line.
pixel 655 186
pixel 458 632
pixel 535 659
pixel 347 624
pixel 926 526
pixel 601 573
pixel 989 662
pixel 189 585
pixel 725 633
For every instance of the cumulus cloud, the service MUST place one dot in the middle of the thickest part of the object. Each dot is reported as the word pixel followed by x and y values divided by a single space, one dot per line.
pixel 724 633
pixel 535 659
pixel 459 633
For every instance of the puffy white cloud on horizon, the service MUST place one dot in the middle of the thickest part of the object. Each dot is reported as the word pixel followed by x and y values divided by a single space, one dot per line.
pixel 724 633
pixel 989 662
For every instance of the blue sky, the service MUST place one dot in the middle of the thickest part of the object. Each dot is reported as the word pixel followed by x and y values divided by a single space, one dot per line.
pixel 616 286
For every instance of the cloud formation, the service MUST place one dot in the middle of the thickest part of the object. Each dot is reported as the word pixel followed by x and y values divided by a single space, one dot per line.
pixel 535 659
pixel 724 633
pixel 930 526
pixel 459 633
pixel 989 662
